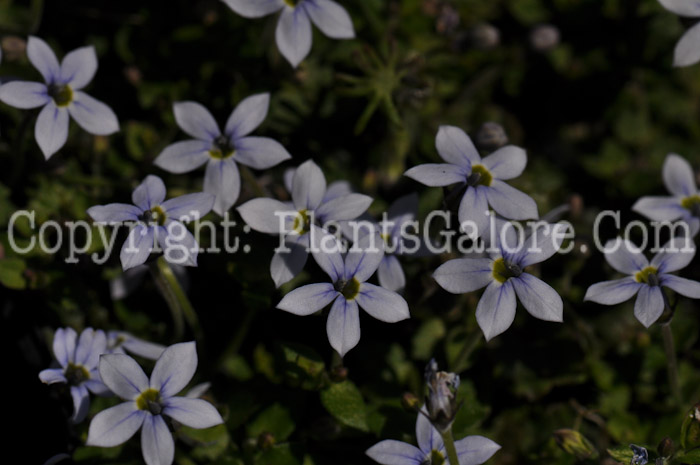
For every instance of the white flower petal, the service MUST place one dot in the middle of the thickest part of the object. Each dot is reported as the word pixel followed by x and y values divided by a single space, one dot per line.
pixel 188 207
pixel 437 174
pixel 51 130
pixel 474 210
pixel 682 286
pixel 195 413
pixel 649 305
pixel 150 193
pixel 675 255
pixel 495 311
pixel 183 157
pixel 255 8
pixel 79 67
pixel 293 35
pixel 678 175
pixel 538 298
pixel 81 402
pixel 613 292
pixel 24 94
pixel 157 443
pixel 464 274
pixel 475 450
pixel 116 425
pixel 247 116
pixel 507 162
pixel 308 186
pixel 137 247
pixel 331 18
pixel 309 299
pixel 511 203
pixel 687 50
pixel 660 208
pixel 123 376
pixel 682 7
pixel 43 59
pixel 390 274
pixel 260 152
pixel 390 452
pixel 267 215
pixel 90 346
pixel 624 256
pixel 174 369
pixel 52 376
pixel 286 265
pixel 455 147
pixel 92 115
pixel 347 207
pixel 64 342
pixel 222 180
pixel 382 304
pixel 196 120
pixel 343 325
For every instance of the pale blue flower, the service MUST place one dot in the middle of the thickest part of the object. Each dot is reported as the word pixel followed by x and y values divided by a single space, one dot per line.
pixel 61 96
pixel 150 404
pixel 683 204
pixel 312 207
pixel 645 279
pixel 121 342
pixel 482 179
pixel 293 34
pixel 472 450
pixel 503 274
pixel 220 151
pixel 348 290
pixel 640 455
pixel 688 48
pixel 158 220
pixel 78 359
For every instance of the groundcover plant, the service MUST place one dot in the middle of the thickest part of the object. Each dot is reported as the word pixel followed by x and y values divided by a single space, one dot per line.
pixel 320 232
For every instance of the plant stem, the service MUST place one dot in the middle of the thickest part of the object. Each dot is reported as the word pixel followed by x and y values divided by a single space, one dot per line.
pixel 180 306
pixel 671 363
pixel 450 447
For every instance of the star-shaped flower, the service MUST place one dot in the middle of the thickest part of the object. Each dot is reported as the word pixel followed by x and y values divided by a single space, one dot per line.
pixel 645 279
pixel 683 204
pixel 150 404
pixel 482 179
pixel 472 450
pixel 222 150
pixel 61 96
pixel 348 290
pixel 78 361
pixel 688 48
pixel 156 219
pixel 312 207
pixel 503 274
pixel 294 33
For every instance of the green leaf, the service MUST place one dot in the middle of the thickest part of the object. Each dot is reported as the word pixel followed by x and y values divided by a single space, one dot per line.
pixel 210 443
pixel 427 336
pixel 345 403
pixel 692 457
pixel 12 273
pixel 276 420
pixel 622 454
pixel 301 365
pixel 281 454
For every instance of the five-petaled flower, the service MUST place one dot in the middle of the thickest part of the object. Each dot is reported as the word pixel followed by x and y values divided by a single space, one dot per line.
pixel 688 48
pixel 503 274
pixel 294 33
pixel 683 204
pixel 61 96
pixel 156 219
pixel 645 279
pixel 312 205
pixel 78 358
pixel 348 290
pixel 472 450
pixel 481 180
pixel 150 404
pixel 220 151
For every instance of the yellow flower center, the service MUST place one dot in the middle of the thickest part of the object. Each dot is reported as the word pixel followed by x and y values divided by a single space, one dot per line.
pixel 349 289
pixel 692 204
pixel 291 3
pixel 436 458
pixel 155 215
pixel 222 148
pixel 503 270
pixel 480 176
pixel 648 276
pixel 302 222
pixel 149 400
pixel 62 95
pixel 76 374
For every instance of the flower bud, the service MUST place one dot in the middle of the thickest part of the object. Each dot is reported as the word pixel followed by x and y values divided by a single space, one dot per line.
pixel 441 401
pixel 690 430
pixel 339 374
pixel 410 402
pixel 13 47
pixel 574 443
pixel 491 136
pixel 640 457
pixel 666 447
pixel 485 36
pixel 544 38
